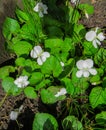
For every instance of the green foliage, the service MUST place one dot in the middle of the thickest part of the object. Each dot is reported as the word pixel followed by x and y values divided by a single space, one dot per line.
pixel 22 48
pixel 59 34
pixel 69 86
pixel 101 118
pixel 73 15
pixel 9 86
pixel 30 92
pixel 5 71
pixel 89 49
pixel 52 66
pixel 44 121
pixel 72 123
pixel 62 48
pixel 86 8
pixel 80 84
pixel 36 77
pixel 48 95
pixel 97 96
pixel 100 57
pixel 104 82
pixel 43 84
pixel 10 27
pixel 22 16
pixel 95 79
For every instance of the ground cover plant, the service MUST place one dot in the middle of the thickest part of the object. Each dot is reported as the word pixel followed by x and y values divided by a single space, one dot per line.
pixel 58 60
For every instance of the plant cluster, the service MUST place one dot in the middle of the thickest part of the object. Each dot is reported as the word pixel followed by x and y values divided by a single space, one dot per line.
pixel 58 60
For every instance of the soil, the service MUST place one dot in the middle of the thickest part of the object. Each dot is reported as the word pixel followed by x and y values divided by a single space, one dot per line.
pixel 31 106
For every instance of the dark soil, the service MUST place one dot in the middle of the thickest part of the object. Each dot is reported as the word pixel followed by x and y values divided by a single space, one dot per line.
pixel 98 19
pixel 31 106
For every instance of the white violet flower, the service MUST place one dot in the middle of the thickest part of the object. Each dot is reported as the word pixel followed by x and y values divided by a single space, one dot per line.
pixel 62 64
pixel 86 15
pixel 95 38
pixel 38 53
pixel 61 92
pixel 22 81
pixel 41 9
pixel 74 1
pixel 85 68
pixel 14 115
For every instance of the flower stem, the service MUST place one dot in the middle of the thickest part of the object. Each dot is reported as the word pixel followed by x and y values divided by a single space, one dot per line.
pixel 18 124
pixel 2 101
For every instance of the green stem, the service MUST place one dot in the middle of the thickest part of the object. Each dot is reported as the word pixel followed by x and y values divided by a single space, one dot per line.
pixel 2 101
pixel 18 124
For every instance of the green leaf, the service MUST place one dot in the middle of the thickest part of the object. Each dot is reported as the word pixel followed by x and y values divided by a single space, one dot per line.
pixel 101 118
pixel 30 92
pixel 22 48
pixel 28 32
pixel 44 121
pixel 59 45
pixel 36 77
pixel 72 123
pixel 89 49
pixel 5 71
pixel 95 79
pixel 22 16
pixel 73 15
pixel 10 87
pixel 20 61
pixel 104 82
pixel 32 29
pixel 31 64
pixel 26 71
pixel 49 21
pixel 47 96
pixel 67 46
pixel 53 43
pixel 67 69
pixel 97 97
pixel 52 66
pixel 79 31
pixel 62 48
pixel 10 27
pixel 28 5
pixel 44 83
pixel 80 84
pixel 86 8
pixel 104 94
pixel 69 86
pixel 100 57
pixel 100 71
pixel 53 31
